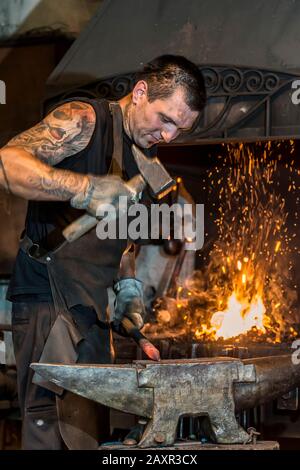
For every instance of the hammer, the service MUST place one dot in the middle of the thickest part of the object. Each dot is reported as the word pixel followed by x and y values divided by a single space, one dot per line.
pixel 152 172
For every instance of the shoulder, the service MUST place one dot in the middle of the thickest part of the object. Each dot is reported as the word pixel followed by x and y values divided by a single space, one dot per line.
pixel 66 130
pixel 93 110
pixel 72 111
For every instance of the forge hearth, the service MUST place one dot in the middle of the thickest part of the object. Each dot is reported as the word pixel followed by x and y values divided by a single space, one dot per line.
pixel 182 347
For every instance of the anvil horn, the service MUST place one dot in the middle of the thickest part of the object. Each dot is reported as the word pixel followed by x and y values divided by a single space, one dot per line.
pixel 275 376
pixel 115 386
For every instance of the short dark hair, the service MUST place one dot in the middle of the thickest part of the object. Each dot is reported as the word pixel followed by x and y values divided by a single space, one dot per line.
pixel 167 72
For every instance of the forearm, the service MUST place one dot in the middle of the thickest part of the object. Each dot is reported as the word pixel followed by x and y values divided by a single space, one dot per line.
pixel 26 176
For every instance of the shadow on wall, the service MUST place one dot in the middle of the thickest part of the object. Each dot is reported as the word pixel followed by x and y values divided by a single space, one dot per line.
pixel 26 15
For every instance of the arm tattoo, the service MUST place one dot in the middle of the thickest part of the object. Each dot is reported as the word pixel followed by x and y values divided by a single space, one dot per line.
pixel 61 184
pixel 64 132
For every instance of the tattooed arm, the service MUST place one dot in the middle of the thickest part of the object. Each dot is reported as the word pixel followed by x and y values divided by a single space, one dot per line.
pixel 26 161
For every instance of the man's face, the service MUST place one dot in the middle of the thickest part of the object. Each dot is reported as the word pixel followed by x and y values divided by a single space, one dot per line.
pixel 160 121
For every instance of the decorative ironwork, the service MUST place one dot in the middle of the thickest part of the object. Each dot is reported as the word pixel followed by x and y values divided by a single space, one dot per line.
pixel 223 80
pixel 241 102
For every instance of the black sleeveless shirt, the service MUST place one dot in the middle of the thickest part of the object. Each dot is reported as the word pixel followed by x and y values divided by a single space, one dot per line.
pixel 29 277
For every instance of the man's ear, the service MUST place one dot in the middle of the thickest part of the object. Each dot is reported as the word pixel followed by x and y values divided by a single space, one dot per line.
pixel 139 92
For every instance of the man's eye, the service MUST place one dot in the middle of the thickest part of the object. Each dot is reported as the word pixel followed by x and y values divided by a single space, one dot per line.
pixel 164 119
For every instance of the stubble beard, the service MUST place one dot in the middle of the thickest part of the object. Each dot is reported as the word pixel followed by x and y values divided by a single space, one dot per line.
pixel 137 137
pixel 126 121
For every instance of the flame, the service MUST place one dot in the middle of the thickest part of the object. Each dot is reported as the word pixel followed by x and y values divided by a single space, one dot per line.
pixel 238 318
pixel 246 282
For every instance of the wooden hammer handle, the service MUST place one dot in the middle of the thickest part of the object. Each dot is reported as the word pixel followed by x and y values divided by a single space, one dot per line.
pixel 79 227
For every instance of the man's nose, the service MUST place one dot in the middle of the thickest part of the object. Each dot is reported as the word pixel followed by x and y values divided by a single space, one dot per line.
pixel 168 136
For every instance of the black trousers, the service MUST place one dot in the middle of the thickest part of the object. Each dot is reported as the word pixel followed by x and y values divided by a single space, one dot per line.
pixel 31 324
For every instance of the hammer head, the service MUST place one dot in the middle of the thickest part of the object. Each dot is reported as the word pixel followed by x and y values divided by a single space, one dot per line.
pixel 154 173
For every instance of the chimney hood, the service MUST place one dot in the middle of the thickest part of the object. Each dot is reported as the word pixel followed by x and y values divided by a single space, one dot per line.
pixel 247 51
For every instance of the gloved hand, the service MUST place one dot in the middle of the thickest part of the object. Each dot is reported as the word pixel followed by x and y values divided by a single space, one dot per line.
pixel 103 190
pixel 129 301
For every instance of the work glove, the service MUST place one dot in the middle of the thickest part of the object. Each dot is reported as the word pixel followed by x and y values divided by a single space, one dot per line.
pixel 103 190
pixel 129 301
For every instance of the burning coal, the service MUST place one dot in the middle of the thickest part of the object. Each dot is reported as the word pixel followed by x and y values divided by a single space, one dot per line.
pixel 247 284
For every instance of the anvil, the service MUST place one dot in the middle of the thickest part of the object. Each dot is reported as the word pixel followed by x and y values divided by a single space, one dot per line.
pixel 167 390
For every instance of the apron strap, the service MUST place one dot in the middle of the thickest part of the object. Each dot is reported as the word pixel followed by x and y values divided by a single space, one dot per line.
pixel 116 167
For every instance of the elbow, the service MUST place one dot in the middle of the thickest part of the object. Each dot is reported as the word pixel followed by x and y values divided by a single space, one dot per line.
pixel 12 168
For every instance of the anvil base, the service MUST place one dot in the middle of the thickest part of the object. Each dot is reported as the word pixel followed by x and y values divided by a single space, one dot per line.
pixel 261 445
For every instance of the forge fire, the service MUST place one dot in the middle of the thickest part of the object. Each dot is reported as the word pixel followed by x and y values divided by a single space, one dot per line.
pixel 247 287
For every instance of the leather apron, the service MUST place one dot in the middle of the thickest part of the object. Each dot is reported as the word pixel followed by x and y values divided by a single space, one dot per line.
pixel 77 278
